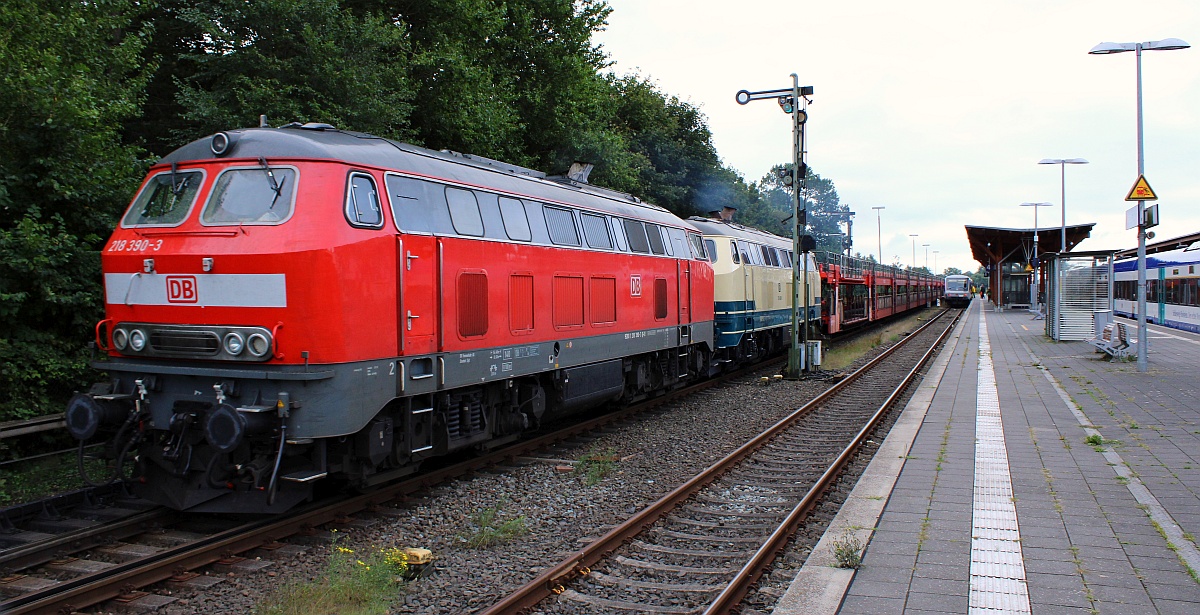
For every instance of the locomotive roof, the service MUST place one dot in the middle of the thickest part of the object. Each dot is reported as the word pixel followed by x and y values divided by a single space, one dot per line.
pixel 714 226
pixel 324 142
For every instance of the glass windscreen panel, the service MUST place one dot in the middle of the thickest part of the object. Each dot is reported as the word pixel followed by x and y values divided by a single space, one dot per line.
pixel 260 195
pixel 165 200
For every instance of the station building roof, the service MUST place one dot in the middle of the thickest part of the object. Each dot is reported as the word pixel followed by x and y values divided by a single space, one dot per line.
pixel 991 245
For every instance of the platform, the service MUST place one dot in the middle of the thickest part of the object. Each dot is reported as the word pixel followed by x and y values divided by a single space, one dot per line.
pixel 1026 476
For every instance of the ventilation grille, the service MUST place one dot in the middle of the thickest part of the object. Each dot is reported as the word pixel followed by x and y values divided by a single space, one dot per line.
pixel 604 300
pixel 568 302
pixel 472 304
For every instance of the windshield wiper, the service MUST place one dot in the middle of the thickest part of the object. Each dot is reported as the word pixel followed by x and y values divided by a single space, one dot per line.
pixel 276 186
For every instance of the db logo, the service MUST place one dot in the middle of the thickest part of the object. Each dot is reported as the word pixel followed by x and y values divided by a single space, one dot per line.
pixel 635 286
pixel 182 289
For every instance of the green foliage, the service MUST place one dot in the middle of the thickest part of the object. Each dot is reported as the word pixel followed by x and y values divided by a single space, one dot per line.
pixel 354 584
pixel 772 210
pixel 594 466
pixel 71 74
pixel 847 550
pixel 293 61
pixel 488 529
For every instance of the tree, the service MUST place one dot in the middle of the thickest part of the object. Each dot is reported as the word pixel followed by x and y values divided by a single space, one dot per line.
pixel 819 197
pixel 292 61
pixel 71 74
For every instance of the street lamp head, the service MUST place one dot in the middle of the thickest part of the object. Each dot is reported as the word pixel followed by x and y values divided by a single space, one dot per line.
pixel 1104 48
pixel 1062 161
pixel 1036 204
pixel 1167 44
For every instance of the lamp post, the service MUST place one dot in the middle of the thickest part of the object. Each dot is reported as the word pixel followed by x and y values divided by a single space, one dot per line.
pixel 935 253
pixel 926 246
pixel 914 260
pixel 1062 165
pixel 1033 282
pixel 1167 44
pixel 879 229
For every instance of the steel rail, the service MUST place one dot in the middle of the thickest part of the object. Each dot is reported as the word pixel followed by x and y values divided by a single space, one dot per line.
pixel 737 589
pixel 40 552
pixel 553 580
pixel 12 429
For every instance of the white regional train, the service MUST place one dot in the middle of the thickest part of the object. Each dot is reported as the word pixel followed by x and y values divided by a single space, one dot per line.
pixel 1172 295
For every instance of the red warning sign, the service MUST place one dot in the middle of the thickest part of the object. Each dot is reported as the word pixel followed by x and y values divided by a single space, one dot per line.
pixel 1141 191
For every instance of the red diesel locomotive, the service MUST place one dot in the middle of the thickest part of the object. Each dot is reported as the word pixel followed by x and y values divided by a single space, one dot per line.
pixel 287 304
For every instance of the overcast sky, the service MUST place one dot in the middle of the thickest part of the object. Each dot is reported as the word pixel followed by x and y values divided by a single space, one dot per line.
pixel 939 110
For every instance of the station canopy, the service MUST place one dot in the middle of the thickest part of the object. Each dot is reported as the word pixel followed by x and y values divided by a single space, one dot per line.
pixel 991 245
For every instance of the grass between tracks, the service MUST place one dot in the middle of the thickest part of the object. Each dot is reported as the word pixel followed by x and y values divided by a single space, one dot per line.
pixel 355 583
pixel 847 353
pixel 29 481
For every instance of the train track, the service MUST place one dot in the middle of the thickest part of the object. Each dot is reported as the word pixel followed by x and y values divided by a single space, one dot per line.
pixel 72 552
pixel 700 548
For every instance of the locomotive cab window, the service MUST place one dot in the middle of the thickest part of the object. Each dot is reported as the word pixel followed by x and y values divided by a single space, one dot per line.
pixel 257 195
pixel 362 202
pixel 464 212
pixel 166 199
pixel 712 249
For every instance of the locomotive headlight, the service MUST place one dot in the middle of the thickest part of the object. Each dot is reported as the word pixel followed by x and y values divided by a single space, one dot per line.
pixel 137 340
pixel 234 343
pixel 258 344
pixel 120 339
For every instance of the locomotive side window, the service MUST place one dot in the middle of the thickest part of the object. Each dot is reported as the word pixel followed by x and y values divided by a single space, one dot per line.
pixel 712 249
pixel 773 256
pixel 654 234
pixel 464 212
pixel 516 222
pixel 166 199
pixel 561 224
pixel 679 243
pixel 785 258
pixel 410 200
pixel 362 202
pixel 744 250
pixel 637 236
pixel 698 244
pixel 619 235
pixel 258 195
pixel 734 249
pixel 595 230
